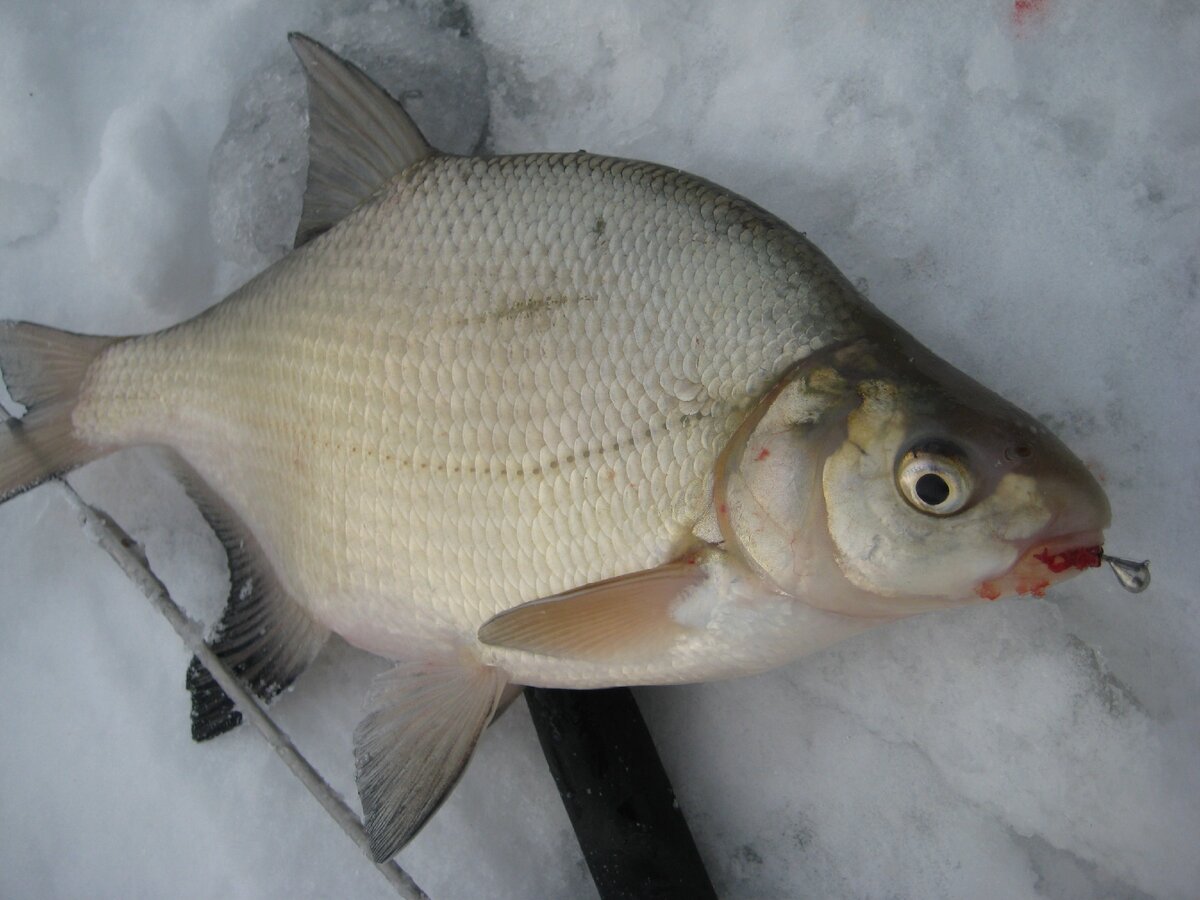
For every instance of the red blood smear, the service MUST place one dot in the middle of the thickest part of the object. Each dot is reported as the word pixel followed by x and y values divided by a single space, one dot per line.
pixel 1080 558
pixel 1024 11
pixel 988 591
pixel 762 454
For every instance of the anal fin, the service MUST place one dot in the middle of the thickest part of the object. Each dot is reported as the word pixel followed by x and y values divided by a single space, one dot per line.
pixel 423 723
pixel 264 636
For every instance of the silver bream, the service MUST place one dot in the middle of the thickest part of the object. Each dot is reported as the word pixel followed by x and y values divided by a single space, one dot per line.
pixel 549 419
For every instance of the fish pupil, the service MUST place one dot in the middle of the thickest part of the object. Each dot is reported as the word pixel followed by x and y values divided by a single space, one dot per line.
pixel 932 490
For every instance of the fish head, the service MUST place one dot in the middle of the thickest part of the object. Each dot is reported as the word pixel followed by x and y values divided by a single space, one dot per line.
pixel 876 480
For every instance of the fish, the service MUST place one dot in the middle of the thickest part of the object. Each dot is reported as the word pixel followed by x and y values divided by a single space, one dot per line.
pixel 550 419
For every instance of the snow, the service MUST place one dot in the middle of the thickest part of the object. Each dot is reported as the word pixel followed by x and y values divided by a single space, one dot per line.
pixel 1018 184
pixel 144 221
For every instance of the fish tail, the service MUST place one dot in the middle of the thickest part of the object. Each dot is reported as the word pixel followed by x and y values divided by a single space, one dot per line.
pixel 43 369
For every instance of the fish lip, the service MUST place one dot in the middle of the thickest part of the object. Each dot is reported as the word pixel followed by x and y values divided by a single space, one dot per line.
pixel 1078 551
pixel 1046 562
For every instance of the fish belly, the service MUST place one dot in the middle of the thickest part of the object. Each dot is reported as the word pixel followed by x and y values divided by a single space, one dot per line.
pixel 495 381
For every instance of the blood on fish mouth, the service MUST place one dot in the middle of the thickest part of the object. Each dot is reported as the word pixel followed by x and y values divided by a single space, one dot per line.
pixel 1078 558
pixel 1045 564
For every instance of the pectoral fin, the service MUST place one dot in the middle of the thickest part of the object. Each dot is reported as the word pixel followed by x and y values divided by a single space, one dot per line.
pixel 626 617
pixel 424 721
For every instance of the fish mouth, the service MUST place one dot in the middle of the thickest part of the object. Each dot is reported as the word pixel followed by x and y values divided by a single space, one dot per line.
pixel 1045 563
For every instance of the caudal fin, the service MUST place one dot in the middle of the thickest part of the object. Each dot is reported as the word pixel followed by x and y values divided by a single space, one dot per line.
pixel 43 369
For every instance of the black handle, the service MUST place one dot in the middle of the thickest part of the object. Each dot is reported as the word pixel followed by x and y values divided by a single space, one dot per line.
pixel 629 825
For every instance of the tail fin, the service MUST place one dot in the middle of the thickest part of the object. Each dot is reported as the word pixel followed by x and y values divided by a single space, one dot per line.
pixel 43 369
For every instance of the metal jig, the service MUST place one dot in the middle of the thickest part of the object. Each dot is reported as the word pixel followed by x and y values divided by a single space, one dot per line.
pixel 1134 576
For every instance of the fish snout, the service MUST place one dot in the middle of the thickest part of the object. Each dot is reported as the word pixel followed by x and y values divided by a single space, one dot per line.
pixel 1077 502
pixel 1072 540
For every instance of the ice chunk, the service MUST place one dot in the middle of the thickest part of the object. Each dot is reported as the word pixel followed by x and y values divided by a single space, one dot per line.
pixel 258 168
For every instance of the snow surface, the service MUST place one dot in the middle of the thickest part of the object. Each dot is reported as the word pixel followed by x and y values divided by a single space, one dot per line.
pixel 1018 184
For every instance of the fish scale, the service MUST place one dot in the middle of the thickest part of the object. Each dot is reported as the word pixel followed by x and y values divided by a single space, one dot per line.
pixel 436 433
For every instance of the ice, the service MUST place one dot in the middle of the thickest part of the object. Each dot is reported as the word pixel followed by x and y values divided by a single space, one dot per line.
pixel 1018 184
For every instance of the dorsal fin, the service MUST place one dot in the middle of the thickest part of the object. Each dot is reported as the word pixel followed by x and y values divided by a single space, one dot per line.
pixel 264 636
pixel 359 136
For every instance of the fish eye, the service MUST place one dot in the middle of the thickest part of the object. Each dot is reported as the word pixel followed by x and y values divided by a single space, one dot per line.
pixel 933 479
